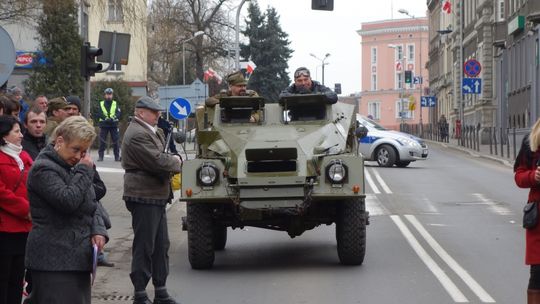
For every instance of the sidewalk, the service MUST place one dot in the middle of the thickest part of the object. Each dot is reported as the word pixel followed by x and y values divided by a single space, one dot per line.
pixel 484 151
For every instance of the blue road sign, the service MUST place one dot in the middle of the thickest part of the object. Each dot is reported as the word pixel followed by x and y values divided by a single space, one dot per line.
pixel 428 101
pixel 180 108
pixel 472 85
pixel 417 80
pixel 472 67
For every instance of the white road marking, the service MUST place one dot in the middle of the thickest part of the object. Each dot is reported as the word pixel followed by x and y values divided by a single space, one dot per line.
pixel 445 281
pixel 381 182
pixel 493 206
pixel 374 206
pixel 460 271
pixel 370 182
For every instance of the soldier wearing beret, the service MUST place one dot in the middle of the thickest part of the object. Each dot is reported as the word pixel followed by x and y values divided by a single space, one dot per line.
pixel 237 87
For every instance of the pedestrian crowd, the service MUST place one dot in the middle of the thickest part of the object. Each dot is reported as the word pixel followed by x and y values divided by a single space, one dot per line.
pixel 51 217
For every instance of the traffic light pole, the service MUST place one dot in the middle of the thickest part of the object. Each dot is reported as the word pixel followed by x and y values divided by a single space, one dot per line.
pixel 86 107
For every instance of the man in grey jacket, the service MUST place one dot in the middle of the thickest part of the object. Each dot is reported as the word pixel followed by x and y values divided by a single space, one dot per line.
pixel 147 189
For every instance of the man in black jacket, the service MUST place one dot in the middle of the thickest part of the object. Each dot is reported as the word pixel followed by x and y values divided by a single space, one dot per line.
pixel 34 138
pixel 304 85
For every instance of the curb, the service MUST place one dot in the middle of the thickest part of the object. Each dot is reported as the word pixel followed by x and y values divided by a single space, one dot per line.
pixel 474 153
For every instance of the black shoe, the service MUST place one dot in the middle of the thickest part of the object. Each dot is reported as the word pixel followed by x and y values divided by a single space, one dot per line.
pixel 144 300
pixel 168 300
pixel 118 159
pixel 105 263
pixel 100 159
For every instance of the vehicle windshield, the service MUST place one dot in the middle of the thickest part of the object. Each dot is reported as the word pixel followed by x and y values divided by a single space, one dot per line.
pixel 370 123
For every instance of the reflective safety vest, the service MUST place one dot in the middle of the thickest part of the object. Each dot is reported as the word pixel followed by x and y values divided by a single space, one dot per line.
pixel 110 114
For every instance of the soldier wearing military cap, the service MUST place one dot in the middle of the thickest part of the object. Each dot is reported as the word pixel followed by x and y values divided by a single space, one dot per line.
pixel 237 87
pixel 56 113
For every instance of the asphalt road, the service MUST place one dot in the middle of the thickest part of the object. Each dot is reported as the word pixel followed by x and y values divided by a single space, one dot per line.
pixel 445 230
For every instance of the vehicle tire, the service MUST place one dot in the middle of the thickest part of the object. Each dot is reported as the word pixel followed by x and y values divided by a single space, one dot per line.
pixel 351 231
pixel 402 164
pixel 220 237
pixel 200 236
pixel 386 156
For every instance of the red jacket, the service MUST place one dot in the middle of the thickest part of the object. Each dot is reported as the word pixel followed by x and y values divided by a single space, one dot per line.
pixel 14 206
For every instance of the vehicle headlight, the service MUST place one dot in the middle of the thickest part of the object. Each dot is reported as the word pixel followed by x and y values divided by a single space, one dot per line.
pixel 207 174
pixel 336 171
pixel 408 142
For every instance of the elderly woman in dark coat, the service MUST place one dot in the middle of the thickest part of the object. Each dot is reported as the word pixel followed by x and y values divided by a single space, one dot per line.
pixel 66 219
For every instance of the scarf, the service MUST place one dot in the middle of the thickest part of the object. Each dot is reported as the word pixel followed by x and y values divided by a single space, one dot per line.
pixel 14 151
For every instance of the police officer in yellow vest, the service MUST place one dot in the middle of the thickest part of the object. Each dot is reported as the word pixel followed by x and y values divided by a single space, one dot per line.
pixel 108 116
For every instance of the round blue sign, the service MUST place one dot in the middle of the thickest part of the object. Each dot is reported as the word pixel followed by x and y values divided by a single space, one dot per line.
pixel 180 108
pixel 472 67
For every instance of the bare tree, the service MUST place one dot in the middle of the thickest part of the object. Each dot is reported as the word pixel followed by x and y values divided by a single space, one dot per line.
pixel 13 11
pixel 172 22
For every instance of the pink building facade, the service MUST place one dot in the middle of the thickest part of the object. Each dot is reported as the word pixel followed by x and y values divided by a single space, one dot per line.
pixel 389 48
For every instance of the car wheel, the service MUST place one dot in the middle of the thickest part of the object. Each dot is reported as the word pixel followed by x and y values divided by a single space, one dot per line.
pixel 403 164
pixel 386 156
pixel 351 231
pixel 200 236
pixel 220 237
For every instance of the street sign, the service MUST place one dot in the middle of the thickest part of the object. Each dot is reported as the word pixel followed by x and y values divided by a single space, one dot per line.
pixel 417 80
pixel 472 85
pixel 428 101
pixel 472 67
pixel 180 108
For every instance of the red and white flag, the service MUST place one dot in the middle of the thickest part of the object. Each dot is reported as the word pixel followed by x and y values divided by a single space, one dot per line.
pixel 249 66
pixel 447 6
pixel 211 74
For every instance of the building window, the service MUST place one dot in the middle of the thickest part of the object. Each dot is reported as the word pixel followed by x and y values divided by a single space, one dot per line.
pixel 402 109
pixel 374 55
pixel 374 109
pixel 115 10
pixel 374 82
pixel 410 53
pixel 399 52
pixel 116 68
pixel 399 81
pixel 500 12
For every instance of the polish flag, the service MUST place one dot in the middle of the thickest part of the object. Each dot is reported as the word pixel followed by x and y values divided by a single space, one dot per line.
pixel 211 74
pixel 447 6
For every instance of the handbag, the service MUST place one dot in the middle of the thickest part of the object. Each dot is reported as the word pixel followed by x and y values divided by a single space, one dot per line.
pixel 530 215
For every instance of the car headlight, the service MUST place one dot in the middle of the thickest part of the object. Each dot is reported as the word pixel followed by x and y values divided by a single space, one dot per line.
pixel 207 174
pixel 336 171
pixel 408 142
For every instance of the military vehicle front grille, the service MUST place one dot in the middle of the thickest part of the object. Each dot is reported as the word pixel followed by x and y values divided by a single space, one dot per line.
pixel 271 166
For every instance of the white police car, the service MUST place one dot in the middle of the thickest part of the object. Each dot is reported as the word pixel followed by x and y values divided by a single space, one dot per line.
pixel 389 147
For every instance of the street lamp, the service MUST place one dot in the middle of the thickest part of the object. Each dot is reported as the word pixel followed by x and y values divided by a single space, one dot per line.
pixel 184 54
pixel 406 12
pixel 402 91
pixel 237 44
pixel 323 63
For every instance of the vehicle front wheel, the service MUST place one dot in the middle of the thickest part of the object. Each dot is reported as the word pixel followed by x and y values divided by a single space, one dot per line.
pixel 351 231
pixel 403 164
pixel 386 156
pixel 200 236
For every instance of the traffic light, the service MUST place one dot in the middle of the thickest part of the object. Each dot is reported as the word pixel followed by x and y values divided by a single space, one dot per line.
pixel 89 67
pixel 323 5
pixel 408 76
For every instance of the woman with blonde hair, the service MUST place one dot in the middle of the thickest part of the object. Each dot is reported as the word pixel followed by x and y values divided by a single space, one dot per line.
pixel 527 175
pixel 67 222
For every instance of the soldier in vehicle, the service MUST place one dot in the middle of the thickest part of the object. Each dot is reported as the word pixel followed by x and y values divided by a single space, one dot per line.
pixel 237 87
pixel 303 84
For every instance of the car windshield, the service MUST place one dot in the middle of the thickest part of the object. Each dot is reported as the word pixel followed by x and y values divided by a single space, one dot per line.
pixel 370 123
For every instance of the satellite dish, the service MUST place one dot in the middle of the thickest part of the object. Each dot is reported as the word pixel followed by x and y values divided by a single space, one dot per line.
pixel 7 56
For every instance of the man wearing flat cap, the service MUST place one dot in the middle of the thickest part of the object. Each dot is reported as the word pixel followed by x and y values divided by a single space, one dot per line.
pixel 56 113
pixel 147 190
pixel 237 87
pixel 304 85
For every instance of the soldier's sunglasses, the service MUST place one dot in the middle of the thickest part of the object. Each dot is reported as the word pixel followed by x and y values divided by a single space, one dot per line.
pixel 301 73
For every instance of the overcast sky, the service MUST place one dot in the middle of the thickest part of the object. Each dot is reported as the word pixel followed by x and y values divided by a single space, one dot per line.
pixel 334 32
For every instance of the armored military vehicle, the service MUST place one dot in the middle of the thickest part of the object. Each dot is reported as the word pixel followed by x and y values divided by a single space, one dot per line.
pixel 288 166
